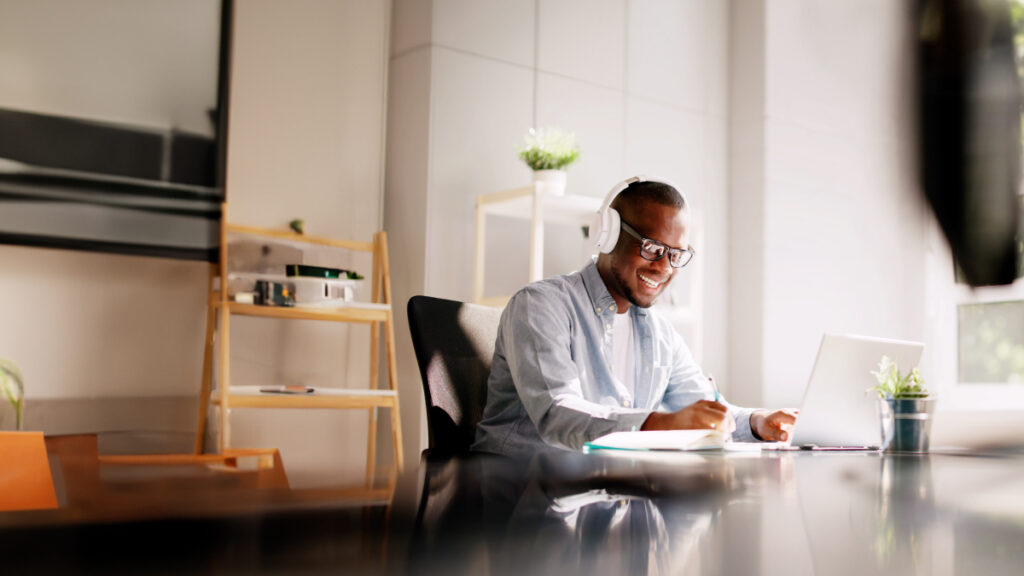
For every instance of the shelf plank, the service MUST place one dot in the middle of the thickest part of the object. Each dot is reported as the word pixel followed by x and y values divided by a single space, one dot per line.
pixel 299 240
pixel 568 209
pixel 323 391
pixel 505 195
pixel 285 278
pixel 354 312
pixel 323 398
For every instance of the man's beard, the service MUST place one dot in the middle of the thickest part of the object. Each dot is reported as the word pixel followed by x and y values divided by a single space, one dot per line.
pixel 627 291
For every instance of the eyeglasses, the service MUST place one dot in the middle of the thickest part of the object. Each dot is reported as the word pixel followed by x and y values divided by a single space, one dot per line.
pixel 653 250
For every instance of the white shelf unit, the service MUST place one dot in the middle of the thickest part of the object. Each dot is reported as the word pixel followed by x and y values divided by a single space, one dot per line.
pixel 531 203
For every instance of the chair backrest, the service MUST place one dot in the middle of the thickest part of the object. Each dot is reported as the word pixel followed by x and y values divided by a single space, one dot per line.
pixel 454 344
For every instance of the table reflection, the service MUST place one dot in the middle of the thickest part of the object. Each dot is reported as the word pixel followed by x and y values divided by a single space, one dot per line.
pixel 864 516
pixel 906 511
pixel 712 513
pixel 801 513
pixel 569 512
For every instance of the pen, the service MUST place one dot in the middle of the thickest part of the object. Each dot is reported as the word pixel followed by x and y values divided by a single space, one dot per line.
pixel 711 380
pixel 718 398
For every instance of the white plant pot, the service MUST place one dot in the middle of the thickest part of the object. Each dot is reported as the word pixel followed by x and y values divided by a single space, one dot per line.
pixel 553 180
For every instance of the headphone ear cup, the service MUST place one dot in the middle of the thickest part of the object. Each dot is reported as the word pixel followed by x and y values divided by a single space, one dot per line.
pixel 597 229
pixel 609 235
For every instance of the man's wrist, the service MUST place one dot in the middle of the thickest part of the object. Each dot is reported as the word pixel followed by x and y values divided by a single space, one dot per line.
pixel 652 422
pixel 756 418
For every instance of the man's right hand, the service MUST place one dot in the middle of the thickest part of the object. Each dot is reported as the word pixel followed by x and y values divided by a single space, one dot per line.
pixel 700 414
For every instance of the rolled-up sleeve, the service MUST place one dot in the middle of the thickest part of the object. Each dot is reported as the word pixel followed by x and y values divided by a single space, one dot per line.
pixel 538 338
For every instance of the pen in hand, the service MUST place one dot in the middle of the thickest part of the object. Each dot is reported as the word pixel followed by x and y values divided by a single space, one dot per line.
pixel 718 398
pixel 714 387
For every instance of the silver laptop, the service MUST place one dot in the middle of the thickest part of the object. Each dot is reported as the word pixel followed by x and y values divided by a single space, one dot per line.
pixel 839 410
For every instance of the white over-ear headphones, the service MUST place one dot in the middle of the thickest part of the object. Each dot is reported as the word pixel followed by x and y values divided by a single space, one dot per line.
pixel 604 228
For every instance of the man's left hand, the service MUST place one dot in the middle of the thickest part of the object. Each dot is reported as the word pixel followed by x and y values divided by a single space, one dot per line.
pixel 773 426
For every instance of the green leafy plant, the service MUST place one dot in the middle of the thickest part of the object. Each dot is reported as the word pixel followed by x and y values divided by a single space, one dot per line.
pixel 894 384
pixel 13 389
pixel 549 148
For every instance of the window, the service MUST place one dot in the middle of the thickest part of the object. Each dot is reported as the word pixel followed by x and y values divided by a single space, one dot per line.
pixel 990 330
pixel 987 354
pixel 991 343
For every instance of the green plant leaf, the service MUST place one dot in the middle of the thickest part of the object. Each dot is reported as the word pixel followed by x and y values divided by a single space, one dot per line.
pixel 13 388
pixel 549 148
pixel 894 384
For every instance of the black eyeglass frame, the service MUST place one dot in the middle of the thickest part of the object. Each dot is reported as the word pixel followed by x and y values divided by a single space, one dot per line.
pixel 644 242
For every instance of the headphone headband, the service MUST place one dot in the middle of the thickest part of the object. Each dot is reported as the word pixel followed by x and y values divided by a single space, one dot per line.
pixel 605 226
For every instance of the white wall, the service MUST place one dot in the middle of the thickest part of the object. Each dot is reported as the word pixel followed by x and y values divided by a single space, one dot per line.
pixel 746 201
pixel 83 325
pixel 306 141
pixel 641 83
pixel 829 234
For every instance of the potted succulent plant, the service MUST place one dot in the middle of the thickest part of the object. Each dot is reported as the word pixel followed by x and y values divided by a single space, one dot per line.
pixel 548 152
pixel 907 407
pixel 12 388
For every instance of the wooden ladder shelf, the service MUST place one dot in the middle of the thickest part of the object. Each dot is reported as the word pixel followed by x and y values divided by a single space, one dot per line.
pixel 377 313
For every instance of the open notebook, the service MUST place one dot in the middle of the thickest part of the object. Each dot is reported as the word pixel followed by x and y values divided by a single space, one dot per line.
pixel 659 440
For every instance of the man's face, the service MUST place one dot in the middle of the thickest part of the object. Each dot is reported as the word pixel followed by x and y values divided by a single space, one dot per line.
pixel 633 278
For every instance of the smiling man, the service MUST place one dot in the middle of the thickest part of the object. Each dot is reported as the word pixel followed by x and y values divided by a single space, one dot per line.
pixel 583 355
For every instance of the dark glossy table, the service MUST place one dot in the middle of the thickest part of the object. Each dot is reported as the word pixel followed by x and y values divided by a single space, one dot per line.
pixel 788 513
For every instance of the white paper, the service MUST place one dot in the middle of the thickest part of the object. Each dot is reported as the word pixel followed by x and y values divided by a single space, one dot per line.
pixel 660 440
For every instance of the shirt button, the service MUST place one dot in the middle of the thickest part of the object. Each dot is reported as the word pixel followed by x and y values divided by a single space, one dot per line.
pixel 612 307
pixel 599 310
pixel 626 403
pixel 608 326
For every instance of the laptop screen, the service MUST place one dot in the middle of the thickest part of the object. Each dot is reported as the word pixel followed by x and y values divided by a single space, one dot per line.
pixel 839 406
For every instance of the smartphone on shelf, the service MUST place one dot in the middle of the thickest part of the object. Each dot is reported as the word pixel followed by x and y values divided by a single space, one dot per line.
pixel 287 389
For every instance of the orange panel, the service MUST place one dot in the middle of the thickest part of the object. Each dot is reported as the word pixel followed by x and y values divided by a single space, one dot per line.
pixel 25 481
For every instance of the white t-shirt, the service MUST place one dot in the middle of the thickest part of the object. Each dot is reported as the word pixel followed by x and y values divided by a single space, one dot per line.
pixel 623 366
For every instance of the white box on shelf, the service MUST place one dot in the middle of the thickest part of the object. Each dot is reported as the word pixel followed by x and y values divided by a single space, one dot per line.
pixel 322 290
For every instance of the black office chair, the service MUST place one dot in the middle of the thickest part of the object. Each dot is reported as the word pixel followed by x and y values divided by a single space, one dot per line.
pixel 454 343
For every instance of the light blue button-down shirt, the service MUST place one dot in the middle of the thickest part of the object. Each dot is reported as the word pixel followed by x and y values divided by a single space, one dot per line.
pixel 551 380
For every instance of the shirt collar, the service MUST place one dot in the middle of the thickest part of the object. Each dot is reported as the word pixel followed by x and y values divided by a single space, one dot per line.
pixel 601 299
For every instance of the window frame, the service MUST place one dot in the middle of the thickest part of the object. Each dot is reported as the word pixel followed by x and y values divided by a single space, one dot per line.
pixel 941 364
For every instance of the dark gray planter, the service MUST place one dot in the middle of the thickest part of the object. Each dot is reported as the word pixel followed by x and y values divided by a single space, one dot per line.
pixel 911 423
